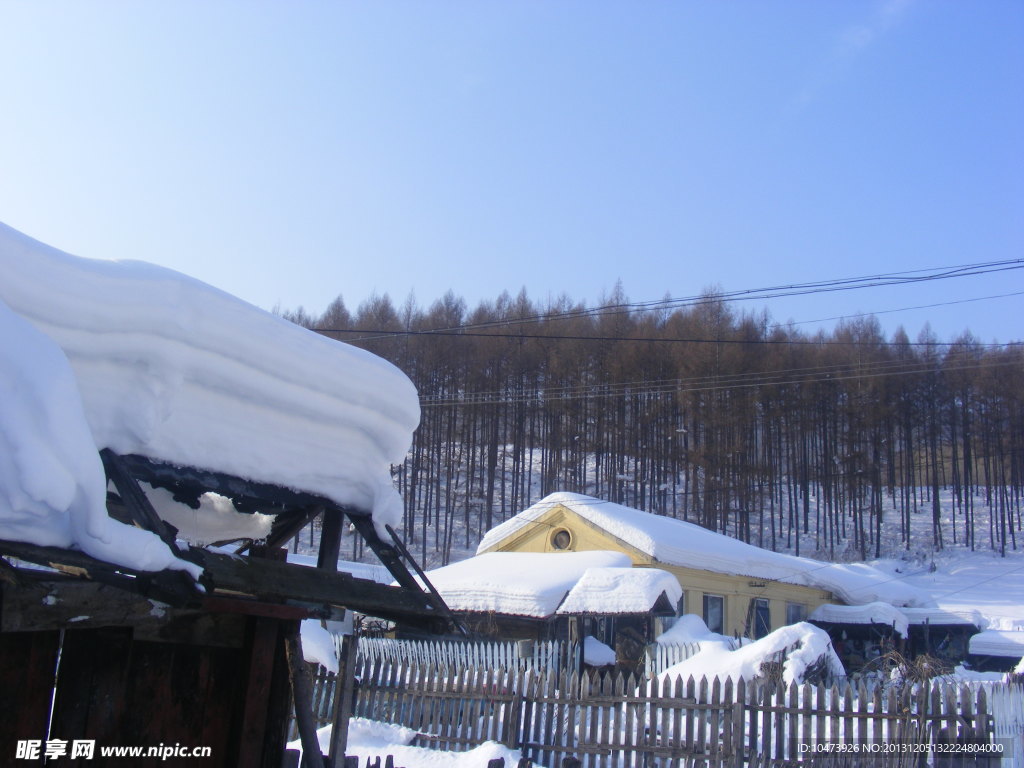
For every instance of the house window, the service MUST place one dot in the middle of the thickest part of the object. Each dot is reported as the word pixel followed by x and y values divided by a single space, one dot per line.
pixel 795 613
pixel 762 617
pixel 714 613
pixel 561 539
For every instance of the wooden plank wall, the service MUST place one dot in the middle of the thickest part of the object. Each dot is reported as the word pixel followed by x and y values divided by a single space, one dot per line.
pixel 117 690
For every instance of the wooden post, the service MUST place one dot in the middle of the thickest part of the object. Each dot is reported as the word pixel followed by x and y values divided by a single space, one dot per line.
pixel 330 539
pixel 344 691
pixel 302 695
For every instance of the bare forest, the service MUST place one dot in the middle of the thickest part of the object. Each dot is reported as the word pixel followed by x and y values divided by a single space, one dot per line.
pixel 700 412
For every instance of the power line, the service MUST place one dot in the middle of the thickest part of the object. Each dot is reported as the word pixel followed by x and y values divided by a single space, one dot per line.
pixel 679 386
pixel 795 289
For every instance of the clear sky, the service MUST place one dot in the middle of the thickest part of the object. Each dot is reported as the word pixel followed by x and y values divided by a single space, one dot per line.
pixel 289 152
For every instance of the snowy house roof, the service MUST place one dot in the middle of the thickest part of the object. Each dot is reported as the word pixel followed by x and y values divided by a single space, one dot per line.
pixel 676 542
pixel 944 617
pixel 166 367
pixel 995 642
pixel 539 584
pixel 870 613
pixel 621 590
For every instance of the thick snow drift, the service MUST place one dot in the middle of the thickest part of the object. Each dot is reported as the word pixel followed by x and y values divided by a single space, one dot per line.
pixel 802 645
pixel 176 370
pixel 53 490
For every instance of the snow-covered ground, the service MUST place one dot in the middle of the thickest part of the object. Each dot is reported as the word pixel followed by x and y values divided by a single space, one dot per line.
pixel 369 740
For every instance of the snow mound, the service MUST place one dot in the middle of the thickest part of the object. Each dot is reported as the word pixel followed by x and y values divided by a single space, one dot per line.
pixel 803 645
pixel 596 653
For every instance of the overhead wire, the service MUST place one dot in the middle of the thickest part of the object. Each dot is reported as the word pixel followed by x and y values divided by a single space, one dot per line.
pixel 794 289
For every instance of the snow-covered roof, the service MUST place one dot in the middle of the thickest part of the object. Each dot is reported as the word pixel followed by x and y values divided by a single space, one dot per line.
pixel 996 642
pixel 937 616
pixel 620 590
pixel 537 584
pixel 676 542
pixel 165 366
pixel 870 613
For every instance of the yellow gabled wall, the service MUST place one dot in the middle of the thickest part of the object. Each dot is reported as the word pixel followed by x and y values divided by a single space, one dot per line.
pixel 541 536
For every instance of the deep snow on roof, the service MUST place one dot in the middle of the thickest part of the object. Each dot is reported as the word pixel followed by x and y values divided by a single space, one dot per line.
pixel 620 590
pixel 995 642
pixel 869 613
pixel 173 369
pixel 536 584
pixel 676 542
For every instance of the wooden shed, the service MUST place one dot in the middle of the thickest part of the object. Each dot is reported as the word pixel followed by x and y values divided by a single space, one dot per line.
pixel 97 654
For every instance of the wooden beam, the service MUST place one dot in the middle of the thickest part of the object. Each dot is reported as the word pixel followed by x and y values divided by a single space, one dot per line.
pixel 317 592
pixel 134 498
pixel 171 587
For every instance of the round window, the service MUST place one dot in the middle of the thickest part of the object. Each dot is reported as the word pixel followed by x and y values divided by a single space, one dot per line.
pixel 561 539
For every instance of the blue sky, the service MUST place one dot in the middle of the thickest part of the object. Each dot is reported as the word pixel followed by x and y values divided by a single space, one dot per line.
pixel 288 152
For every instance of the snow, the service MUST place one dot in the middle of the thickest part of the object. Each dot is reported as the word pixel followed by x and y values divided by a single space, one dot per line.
pixel 871 613
pixel 53 489
pixel 620 590
pixel 369 740
pixel 165 366
pixel 368 571
pixel 318 645
pixel 690 628
pixel 216 519
pixel 803 645
pixel 995 642
pixel 518 583
pixel 941 616
pixel 981 584
pixel 676 542
pixel 596 653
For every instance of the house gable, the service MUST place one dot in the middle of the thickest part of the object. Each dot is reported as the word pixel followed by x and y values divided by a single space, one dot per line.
pixel 543 535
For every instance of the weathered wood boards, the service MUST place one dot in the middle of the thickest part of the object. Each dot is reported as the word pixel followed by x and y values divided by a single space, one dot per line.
pixel 248 581
pixel 614 720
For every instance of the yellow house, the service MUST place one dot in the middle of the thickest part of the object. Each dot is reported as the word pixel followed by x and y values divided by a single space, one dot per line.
pixel 737 588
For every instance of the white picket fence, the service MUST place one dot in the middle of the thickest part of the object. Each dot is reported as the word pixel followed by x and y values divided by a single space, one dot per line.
pixel 1006 703
pixel 454 654
pixel 661 656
